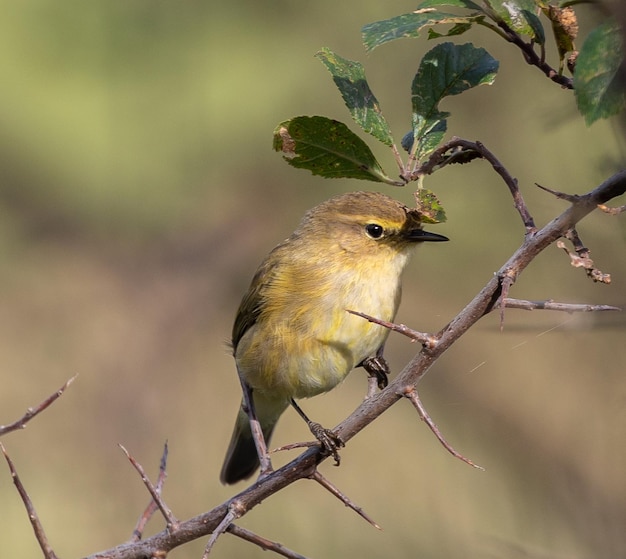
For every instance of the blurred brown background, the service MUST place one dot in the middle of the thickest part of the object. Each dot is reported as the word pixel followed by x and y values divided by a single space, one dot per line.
pixel 138 193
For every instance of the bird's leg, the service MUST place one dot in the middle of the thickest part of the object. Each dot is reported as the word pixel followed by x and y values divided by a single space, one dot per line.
pixel 377 367
pixel 329 442
pixel 255 428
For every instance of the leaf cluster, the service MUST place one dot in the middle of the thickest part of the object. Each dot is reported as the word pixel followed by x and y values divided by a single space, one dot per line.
pixel 330 149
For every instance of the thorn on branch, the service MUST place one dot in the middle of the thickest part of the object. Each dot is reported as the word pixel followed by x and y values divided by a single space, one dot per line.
pixel 32 412
pixel 411 394
pixel 550 305
pixel 236 510
pixel 573 198
pixel 429 341
pixel 326 484
pixel 263 543
pixel 293 446
pixel 152 506
pixel 170 519
pixel 42 539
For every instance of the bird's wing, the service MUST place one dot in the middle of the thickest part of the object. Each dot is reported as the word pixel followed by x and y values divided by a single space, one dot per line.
pixel 253 301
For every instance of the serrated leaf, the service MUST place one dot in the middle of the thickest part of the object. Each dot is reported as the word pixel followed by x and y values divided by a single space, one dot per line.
pixel 328 148
pixel 599 92
pixel 519 16
pixel 349 76
pixel 447 69
pixel 429 207
pixel 408 26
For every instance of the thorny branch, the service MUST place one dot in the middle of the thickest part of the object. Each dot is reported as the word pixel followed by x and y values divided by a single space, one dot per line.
pixel 458 150
pixel 42 539
pixel 153 505
pixel 32 412
pixel 304 466
pixel 170 519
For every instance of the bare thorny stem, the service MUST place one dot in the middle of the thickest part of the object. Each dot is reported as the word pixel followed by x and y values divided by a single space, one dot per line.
pixel 491 297
pixel 33 412
pixel 40 535
pixel 155 491
pixel 494 295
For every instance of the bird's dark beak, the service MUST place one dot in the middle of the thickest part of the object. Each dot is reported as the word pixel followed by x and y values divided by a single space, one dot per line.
pixel 419 236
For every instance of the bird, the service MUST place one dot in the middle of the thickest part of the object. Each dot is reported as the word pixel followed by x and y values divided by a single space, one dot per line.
pixel 293 336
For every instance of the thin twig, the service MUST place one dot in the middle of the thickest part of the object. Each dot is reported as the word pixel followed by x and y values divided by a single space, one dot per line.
pixel 170 519
pixel 550 305
pixel 533 58
pixel 441 156
pixel 263 543
pixel 334 490
pixel 427 340
pixel 411 394
pixel 235 510
pixel 573 198
pixel 48 552
pixel 293 446
pixel 152 506
pixel 32 412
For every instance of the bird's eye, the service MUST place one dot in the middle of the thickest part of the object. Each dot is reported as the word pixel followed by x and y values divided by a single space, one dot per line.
pixel 374 230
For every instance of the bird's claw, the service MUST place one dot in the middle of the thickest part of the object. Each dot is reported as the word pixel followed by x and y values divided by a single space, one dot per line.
pixel 378 368
pixel 329 442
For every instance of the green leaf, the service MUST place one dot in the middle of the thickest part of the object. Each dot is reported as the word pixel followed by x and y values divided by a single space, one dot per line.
pixel 457 29
pixel 349 76
pixel 538 33
pixel 447 69
pixel 408 26
pixel 599 91
pixel 328 148
pixel 456 3
pixel 519 16
pixel 429 207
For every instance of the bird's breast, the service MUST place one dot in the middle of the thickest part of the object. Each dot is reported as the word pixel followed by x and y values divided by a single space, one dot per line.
pixel 305 341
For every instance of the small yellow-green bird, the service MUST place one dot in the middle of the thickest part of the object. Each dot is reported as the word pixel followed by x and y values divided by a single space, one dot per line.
pixel 293 336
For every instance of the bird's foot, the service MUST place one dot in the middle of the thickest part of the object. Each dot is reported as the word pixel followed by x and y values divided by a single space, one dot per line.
pixel 329 442
pixel 378 368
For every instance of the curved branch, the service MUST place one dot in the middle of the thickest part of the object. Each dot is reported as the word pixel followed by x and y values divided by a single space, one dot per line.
pixel 304 465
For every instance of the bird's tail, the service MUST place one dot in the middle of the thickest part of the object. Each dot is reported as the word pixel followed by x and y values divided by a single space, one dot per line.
pixel 242 458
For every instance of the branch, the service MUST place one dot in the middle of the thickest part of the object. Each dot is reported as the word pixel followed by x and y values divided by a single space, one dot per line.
pixel 42 539
pixel 304 465
pixel 411 393
pixel 333 490
pixel 153 505
pixel 263 543
pixel 550 305
pixel 32 412
pixel 170 519
pixel 459 150
pixel 533 58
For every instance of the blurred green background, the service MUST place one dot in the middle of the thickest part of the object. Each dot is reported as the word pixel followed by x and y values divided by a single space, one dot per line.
pixel 138 193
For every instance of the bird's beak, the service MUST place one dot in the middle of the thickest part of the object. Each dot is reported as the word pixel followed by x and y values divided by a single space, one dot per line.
pixel 419 235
